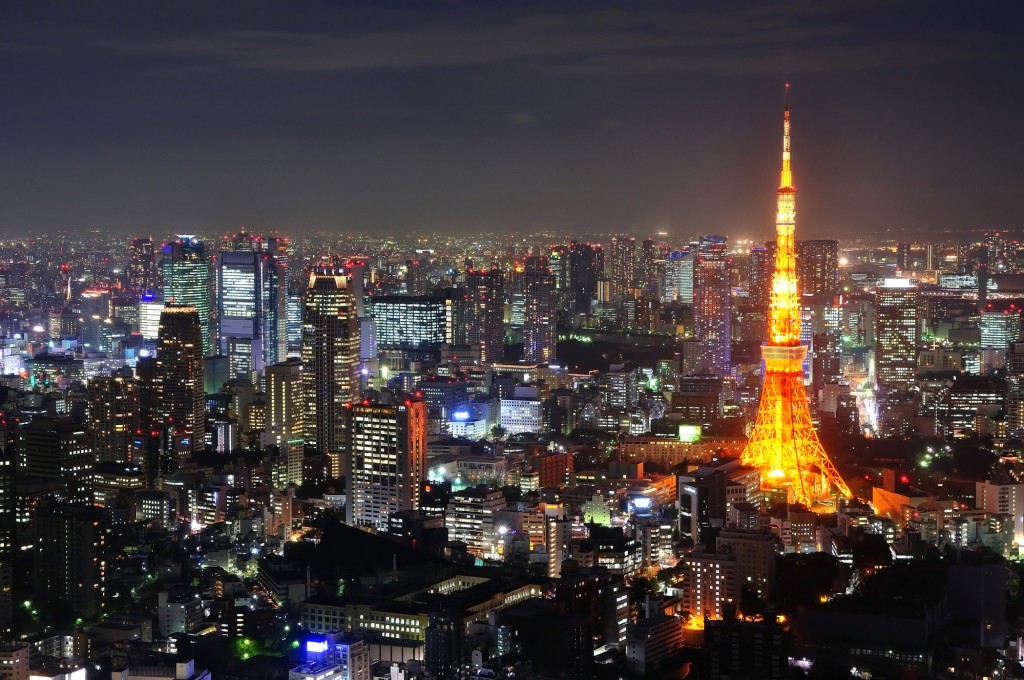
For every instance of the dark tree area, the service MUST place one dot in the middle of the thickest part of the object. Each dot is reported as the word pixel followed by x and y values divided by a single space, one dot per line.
pixel 582 357
pixel 801 580
pixel 363 553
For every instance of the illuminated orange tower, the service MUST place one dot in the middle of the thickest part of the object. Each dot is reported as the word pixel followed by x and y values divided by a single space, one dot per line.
pixel 783 443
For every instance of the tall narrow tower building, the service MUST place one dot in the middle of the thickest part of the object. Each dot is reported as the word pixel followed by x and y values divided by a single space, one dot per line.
pixel 330 357
pixel 179 390
pixel 186 276
pixel 783 444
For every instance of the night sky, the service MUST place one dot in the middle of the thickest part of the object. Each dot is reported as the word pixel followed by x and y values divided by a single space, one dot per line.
pixel 150 118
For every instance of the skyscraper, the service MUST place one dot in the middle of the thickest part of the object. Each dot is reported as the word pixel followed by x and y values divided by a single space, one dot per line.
pixel 59 449
pixel 150 309
pixel 999 328
pixel 285 415
pixel 622 260
pixel 330 357
pixel 7 513
pixel 387 444
pixel 251 293
pixel 142 266
pixel 186 275
pixel 647 274
pixel 484 313
pixel 113 402
pixel 897 332
pixel 178 383
pixel 818 267
pixel 784 445
pixel 409 321
pixel 586 264
pixel 1015 389
pixel 712 308
pixel 679 277
pixel 70 560
pixel 537 284
pixel 762 265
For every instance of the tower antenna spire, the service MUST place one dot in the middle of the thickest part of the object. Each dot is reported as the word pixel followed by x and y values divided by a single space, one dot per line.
pixel 787 175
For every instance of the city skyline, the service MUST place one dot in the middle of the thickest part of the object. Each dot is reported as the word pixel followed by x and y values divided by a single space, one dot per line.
pixel 463 120
pixel 329 427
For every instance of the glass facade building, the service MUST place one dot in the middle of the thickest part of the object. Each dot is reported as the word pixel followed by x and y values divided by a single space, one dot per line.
pixel 186 273
pixel 409 321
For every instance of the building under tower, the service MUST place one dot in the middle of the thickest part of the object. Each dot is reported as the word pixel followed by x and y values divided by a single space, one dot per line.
pixel 783 444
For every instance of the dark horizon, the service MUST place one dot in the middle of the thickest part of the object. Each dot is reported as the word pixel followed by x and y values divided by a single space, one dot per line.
pixel 465 118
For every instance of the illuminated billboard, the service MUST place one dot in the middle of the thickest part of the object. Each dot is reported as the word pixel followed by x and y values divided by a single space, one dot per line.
pixel 689 433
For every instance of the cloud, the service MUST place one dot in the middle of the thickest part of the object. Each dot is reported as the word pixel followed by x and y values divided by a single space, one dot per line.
pixel 800 36
pixel 521 118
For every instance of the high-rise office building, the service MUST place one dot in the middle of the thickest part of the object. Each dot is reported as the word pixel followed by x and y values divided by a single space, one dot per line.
pixel 826 361
pixel 8 506
pixel 293 313
pixel 284 427
pixel 622 261
pixel 59 449
pixel 330 357
pixel 1015 389
pixel 537 284
pixel 113 402
pixel 387 447
pixel 678 277
pixel 647 273
pixel 712 308
pixel 150 309
pixel 711 581
pixel 142 266
pixel 471 518
pixel 817 265
pixel 559 260
pixel 178 383
pixel 999 328
pixel 897 332
pixel 186 276
pixel 585 265
pixel 409 321
pixel 70 561
pixel 762 266
pixel 484 313
pixel 251 292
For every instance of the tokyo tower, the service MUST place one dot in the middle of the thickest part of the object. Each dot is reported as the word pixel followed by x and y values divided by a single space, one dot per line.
pixel 783 443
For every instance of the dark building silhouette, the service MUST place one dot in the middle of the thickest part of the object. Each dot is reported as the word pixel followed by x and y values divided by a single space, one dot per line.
pixel 178 381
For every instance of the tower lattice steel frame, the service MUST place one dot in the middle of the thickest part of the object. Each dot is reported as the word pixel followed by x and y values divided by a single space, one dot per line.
pixel 783 443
